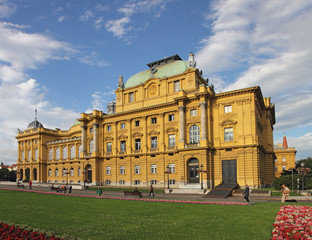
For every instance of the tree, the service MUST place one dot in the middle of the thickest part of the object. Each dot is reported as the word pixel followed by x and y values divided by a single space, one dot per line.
pixel 6 175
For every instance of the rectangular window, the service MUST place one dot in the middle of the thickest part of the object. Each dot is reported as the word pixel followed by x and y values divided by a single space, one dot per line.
pixel 228 134
pixel 228 108
pixel 176 86
pixel 137 144
pixel 153 120
pixel 49 173
pixel 171 181
pixel 172 167
pixel 131 97
pixel 284 159
pixel 275 169
pixel 109 147
pixel 122 126
pixel 136 182
pixel 108 170
pixel 108 182
pixel 79 172
pixel 193 112
pixel 153 169
pixel 123 146
pixel 121 182
pixel 153 142
pixel 171 117
pixel 137 123
pixel 172 140
pixel 137 169
pixel 153 182
pixel 122 170
pixel 71 172
pixel 109 128
pixel 91 130
pixel 284 168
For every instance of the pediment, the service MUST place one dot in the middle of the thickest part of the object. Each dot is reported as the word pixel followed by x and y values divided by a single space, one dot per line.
pixel 228 122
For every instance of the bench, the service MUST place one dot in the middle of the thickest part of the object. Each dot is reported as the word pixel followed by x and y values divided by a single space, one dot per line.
pixel 133 193
pixel 20 186
pixel 58 189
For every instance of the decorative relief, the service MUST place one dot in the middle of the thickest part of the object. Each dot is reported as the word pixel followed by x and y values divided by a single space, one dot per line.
pixel 153 132
pixel 152 89
pixel 137 134
pixel 228 122
pixel 171 130
pixel 122 136
pixel 109 139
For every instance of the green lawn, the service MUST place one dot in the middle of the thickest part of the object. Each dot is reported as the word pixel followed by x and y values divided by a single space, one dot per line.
pixel 90 218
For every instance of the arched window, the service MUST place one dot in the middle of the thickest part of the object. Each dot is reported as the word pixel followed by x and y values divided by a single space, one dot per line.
pixel 56 172
pixel 72 151
pixel 91 146
pixel 49 172
pixel 79 172
pixel 23 156
pixel 50 154
pixel 64 172
pixel 64 152
pixel 194 134
pixel 71 172
pixel 36 154
pixel 57 154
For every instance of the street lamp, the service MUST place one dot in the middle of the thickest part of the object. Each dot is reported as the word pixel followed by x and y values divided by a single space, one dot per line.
pixel 302 166
pixel 201 175
pixel 67 172
pixel 168 172
pixel 298 188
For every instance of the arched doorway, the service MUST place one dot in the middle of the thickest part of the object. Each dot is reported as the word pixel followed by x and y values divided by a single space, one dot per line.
pixel 193 173
pixel 89 173
pixel 21 175
pixel 35 174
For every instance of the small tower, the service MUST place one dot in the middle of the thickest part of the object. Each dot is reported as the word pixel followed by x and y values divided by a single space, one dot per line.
pixel 120 82
pixel 191 61
pixel 285 145
pixel 111 107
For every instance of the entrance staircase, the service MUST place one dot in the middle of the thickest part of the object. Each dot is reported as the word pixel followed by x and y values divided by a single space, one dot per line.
pixel 222 191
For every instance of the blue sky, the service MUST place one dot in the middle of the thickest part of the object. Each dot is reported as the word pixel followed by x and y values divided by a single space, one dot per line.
pixel 65 56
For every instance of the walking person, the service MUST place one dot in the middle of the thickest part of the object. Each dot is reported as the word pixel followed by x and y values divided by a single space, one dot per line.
pixel 246 193
pixel 285 193
pixel 30 184
pixel 151 191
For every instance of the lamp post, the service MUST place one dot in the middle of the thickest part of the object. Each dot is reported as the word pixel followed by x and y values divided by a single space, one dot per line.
pixel 298 188
pixel 302 167
pixel 168 172
pixel 292 179
pixel 201 175
pixel 67 172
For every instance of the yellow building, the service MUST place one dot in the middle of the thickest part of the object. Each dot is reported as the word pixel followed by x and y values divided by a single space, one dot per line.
pixel 167 122
pixel 285 157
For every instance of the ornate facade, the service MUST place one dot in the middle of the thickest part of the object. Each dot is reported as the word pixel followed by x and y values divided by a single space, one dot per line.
pixel 285 157
pixel 167 126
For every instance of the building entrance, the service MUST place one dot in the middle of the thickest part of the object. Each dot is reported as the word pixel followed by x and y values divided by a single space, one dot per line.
pixel 193 167
pixel 229 171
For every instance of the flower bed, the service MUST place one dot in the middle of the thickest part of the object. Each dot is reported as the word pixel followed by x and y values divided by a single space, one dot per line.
pixel 132 199
pixel 8 232
pixel 293 222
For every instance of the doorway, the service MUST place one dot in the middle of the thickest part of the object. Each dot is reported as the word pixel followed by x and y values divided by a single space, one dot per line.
pixel 193 173
pixel 229 171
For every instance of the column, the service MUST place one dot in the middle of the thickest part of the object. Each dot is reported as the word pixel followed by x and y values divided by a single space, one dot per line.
pixel 95 136
pixel 83 139
pixel 182 123
pixel 162 133
pixel 203 120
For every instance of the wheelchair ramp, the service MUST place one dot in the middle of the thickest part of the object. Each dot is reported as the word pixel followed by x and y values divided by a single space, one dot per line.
pixel 222 191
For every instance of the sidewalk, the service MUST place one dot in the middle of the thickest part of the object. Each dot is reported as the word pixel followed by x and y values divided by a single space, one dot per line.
pixel 182 197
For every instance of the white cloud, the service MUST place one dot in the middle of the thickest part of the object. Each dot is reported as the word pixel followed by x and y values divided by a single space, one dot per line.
pixel 87 16
pixel 62 18
pixel 93 60
pixel 19 94
pixel 118 26
pixel 271 42
pixel 7 8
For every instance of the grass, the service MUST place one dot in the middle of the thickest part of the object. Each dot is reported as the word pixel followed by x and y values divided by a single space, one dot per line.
pixel 89 218
pixel 279 193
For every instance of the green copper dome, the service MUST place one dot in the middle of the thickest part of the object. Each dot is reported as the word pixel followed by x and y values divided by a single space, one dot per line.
pixel 166 70
pixel 76 123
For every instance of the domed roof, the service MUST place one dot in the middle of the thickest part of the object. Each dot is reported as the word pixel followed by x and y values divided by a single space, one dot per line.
pixel 35 124
pixel 166 70
pixel 76 123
